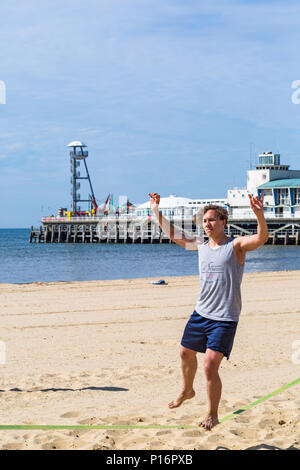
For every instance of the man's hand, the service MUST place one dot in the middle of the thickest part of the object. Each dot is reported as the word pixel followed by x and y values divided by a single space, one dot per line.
pixel 252 242
pixel 176 234
pixel 257 205
pixel 154 201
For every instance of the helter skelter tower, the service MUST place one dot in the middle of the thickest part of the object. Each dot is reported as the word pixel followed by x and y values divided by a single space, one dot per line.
pixel 78 154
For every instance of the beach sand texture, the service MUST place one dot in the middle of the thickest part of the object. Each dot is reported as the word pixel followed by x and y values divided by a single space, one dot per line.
pixel 107 353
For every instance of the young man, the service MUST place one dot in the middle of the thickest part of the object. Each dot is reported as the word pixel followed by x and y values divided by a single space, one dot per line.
pixel 212 326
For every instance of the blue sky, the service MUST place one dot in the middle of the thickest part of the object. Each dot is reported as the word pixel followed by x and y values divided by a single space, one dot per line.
pixel 168 95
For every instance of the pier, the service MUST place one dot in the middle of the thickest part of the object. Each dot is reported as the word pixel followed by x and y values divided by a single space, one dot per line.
pixel 106 230
pixel 128 229
pixel 126 223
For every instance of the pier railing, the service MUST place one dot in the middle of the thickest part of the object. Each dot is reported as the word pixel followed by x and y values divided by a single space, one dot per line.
pixel 127 228
pixel 245 215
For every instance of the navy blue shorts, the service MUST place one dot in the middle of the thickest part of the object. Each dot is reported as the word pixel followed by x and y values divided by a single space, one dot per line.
pixel 201 333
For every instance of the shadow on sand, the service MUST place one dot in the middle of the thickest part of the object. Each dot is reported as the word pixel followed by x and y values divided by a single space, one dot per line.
pixel 260 447
pixel 105 389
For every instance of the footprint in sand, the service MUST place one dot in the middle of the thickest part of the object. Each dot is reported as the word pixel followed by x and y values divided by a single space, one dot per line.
pixel 162 433
pixel 134 443
pixel 193 433
pixel 241 419
pixel 155 443
pixel 57 444
pixel 215 438
pixel 14 446
pixel 88 422
pixel 267 423
pixel 71 414
pixel 268 435
pixel 107 443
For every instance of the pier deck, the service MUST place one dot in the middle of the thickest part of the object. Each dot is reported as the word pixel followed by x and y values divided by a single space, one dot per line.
pixel 146 230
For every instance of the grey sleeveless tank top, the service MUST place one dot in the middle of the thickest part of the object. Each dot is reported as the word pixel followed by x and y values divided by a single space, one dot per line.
pixel 220 282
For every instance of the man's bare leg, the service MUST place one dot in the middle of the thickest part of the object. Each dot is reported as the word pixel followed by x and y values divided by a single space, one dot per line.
pixel 189 368
pixel 212 361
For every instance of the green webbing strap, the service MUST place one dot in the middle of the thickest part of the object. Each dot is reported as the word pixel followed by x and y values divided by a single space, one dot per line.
pixel 254 403
pixel 150 426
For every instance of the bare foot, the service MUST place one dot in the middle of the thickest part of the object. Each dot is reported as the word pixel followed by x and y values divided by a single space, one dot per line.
pixel 209 422
pixel 181 398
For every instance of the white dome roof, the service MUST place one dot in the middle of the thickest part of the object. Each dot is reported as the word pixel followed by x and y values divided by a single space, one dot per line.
pixel 76 143
pixel 168 202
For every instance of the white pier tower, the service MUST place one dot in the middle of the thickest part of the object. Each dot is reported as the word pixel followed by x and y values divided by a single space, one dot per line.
pixel 79 153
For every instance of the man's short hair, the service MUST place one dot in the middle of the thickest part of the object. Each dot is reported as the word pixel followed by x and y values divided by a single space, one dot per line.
pixel 220 211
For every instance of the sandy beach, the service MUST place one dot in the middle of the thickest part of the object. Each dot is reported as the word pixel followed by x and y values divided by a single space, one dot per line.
pixel 107 353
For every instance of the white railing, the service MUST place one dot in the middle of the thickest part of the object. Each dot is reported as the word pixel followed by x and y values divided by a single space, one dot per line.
pixel 70 219
pixel 96 219
pixel 268 216
pixel 91 219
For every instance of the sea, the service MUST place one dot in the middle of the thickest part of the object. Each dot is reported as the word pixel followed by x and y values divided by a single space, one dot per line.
pixel 23 262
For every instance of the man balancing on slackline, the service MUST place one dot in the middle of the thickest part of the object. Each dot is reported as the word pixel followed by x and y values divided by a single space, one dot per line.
pixel 212 326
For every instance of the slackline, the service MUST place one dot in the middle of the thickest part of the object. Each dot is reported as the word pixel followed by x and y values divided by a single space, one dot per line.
pixel 150 426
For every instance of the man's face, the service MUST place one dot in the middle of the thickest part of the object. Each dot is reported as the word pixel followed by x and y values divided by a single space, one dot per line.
pixel 212 224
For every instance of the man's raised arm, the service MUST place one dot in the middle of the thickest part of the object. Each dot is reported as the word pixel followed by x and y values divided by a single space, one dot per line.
pixel 174 233
pixel 252 242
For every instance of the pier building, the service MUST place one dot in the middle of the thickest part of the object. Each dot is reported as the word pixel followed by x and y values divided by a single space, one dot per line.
pixel 174 206
pixel 279 185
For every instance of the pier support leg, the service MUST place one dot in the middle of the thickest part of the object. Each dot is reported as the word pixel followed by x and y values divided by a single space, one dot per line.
pixel 39 235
